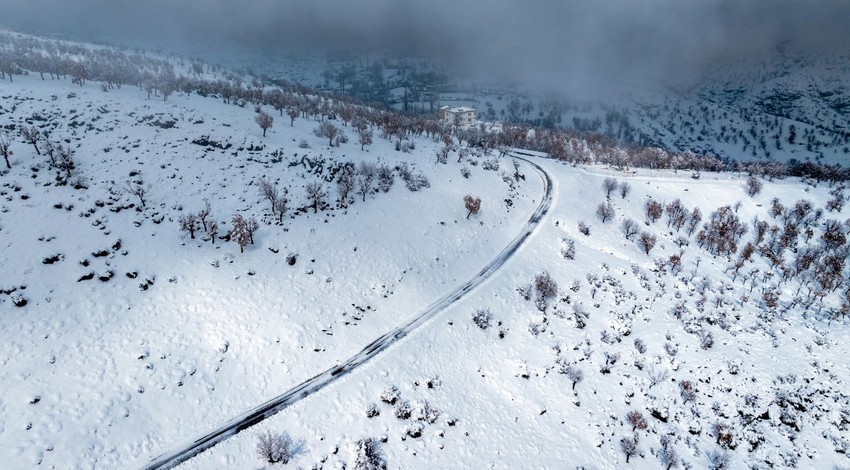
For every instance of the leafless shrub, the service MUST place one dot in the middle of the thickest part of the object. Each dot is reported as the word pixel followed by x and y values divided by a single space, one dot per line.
pixel 637 420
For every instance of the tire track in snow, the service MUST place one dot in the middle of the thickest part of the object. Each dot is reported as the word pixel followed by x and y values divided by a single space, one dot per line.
pixel 310 386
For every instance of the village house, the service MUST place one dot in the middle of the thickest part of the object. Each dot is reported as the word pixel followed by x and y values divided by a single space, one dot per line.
pixel 462 116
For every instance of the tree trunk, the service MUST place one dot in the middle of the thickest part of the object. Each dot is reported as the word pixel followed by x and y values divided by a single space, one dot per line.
pixel 8 165
pixel 264 132
pixel 468 214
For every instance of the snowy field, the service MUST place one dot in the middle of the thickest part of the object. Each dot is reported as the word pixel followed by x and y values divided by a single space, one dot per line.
pixel 132 338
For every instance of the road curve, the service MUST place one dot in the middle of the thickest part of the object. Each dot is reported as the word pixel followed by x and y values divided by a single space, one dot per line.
pixel 177 456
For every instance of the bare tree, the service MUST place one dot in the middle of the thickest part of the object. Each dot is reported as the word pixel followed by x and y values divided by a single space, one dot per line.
pixel 646 241
pixel 546 289
pixel 472 204
pixel 609 184
pixel 251 226
pixel 367 176
pixel 239 232
pixel 637 420
pixel 753 186
pixel 345 184
pixel 693 220
pixel 203 214
pixel 5 148
pixel 140 191
pixel 574 374
pixel 292 113
pixel 315 195
pixel 629 447
pixel 721 234
pixel 625 189
pixel 212 229
pixel 668 455
pixel 280 207
pixel 264 120
pixel 32 135
pixel 268 191
pixel 605 211
pixel 274 448
pixel 677 214
pixel 189 224
pixel 630 228
pixel 328 131
pixel 653 210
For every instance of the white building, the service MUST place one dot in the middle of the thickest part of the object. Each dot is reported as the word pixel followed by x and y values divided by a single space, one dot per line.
pixel 461 116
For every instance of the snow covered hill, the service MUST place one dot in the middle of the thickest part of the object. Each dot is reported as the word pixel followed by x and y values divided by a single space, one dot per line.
pixel 126 335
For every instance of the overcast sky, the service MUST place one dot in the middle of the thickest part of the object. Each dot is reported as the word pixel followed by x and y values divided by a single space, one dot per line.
pixel 551 44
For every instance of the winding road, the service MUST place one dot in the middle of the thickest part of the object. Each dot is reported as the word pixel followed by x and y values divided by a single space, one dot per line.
pixel 308 387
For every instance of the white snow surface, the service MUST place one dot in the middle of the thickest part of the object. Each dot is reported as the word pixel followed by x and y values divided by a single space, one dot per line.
pixel 103 374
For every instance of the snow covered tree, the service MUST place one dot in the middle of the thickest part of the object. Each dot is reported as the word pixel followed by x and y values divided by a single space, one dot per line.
pixel 605 211
pixel 364 137
pixel 239 232
pixel 292 113
pixel 264 120
pixel 315 196
pixel 472 204
pixel 369 455
pixel 609 185
pixel 482 318
pixel 5 148
pixel 386 178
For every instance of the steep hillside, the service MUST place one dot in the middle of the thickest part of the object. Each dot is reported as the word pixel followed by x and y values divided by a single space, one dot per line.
pixel 167 264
